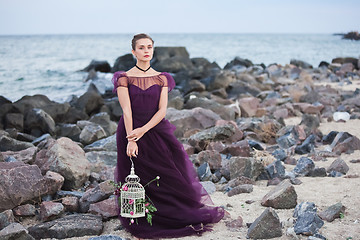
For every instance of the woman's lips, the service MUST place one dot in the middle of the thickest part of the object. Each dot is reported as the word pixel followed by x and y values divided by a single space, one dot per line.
pixel 147 56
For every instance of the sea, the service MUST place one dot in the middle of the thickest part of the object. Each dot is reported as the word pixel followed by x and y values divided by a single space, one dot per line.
pixel 50 64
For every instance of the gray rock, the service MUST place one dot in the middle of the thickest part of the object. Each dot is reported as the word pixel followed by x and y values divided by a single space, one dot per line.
pixel 307 146
pixel 332 212
pixel 38 122
pixel 10 144
pixel 279 154
pixel 311 123
pixel 25 210
pixel 123 63
pixel 300 64
pixel 27 155
pixel 210 156
pixel 101 66
pixel 221 80
pixel 317 172
pixel 338 165
pixel 63 193
pixel 244 188
pixel 103 119
pixel 283 196
pixel 69 130
pixel 90 102
pixel 105 144
pixel 44 137
pixel 204 172
pixel 275 170
pixel 266 226
pixel 304 166
pixel 107 237
pixel 50 210
pixel 194 86
pixel 209 186
pixel 188 119
pixel 76 225
pixel 15 231
pixel 14 120
pixel 304 207
pixel 91 133
pixel 308 223
pixel 241 166
pixel 99 193
pixel 6 218
pixel 335 174
pixel 106 157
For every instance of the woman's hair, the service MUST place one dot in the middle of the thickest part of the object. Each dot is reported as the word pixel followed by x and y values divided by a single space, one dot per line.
pixel 139 36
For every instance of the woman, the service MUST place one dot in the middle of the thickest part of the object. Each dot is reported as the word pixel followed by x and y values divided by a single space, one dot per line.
pixel 148 138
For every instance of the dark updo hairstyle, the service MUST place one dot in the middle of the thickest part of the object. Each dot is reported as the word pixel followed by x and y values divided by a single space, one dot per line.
pixel 140 36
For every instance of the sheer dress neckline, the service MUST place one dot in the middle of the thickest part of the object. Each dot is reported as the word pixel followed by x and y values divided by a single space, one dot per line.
pixel 144 82
pixel 142 76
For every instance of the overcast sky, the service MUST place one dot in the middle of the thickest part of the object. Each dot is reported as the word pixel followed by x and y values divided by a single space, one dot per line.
pixel 178 16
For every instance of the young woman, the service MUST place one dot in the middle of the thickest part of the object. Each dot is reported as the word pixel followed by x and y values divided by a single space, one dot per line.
pixel 183 206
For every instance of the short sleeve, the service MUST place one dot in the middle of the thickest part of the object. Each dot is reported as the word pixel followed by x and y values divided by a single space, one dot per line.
pixel 119 80
pixel 168 81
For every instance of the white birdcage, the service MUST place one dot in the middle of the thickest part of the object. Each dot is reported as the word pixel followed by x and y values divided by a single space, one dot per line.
pixel 132 196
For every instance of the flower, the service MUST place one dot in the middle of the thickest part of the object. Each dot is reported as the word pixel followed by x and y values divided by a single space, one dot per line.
pixel 132 220
pixel 131 201
pixel 146 210
pixel 125 188
pixel 147 204
pixel 131 213
pixel 157 177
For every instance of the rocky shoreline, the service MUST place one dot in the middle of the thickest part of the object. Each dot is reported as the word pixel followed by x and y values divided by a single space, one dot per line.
pixel 57 159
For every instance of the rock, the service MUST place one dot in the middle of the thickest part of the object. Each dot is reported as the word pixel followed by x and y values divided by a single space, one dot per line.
pixel 307 146
pixel 240 148
pixel 304 207
pixel 103 119
pixel 20 183
pixel 338 165
pixel 244 188
pixel 26 156
pixel 317 172
pixel 74 115
pixel 194 86
pixel 335 174
pixel 123 63
pixel 221 80
pixel 283 196
pixel 54 181
pixel 69 130
pixel 201 139
pixel 249 106
pixel 106 209
pixel 344 142
pixel 197 118
pixel 71 204
pixel 50 210
pixel 279 154
pixel 38 122
pixel 101 66
pixel 91 133
pixel 109 158
pixel 213 158
pixel 90 102
pixel 304 166
pixel 204 172
pixel 27 103
pixel 15 231
pixel 105 144
pixel 275 170
pixel 332 212
pixel 266 226
pixel 234 225
pixel 354 35
pixel 62 193
pixel 10 144
pixel 238 61
pixel 76 225
pixel 242 166
pixel 68 159
pixel 308 223
pixel 311 123
pixel 266 131
pixel 44 137
pixel 301 64
pixel 14 120
pixel 274 181
pixel 6 218
pixel 99 193
pixel 209 186
pixel 25 210
pixel 107 237
pixel 328 139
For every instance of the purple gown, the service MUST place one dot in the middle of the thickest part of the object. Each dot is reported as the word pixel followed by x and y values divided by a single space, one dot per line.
pixel 183 206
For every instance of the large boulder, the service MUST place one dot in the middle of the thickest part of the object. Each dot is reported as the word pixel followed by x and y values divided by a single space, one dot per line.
pixel 101 66
pixel 196 118
pixel 21 183
pixel 103 119
pixel 171 59
pixel 90 102
pixel 66 158
pixel 27 103
pixel 76 225
pixel 244 166
pixel 9 144
pixel 38 122
pixel 15 231
pixel 123 63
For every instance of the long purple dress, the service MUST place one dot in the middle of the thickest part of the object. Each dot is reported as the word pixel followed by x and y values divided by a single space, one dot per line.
pixel 183 206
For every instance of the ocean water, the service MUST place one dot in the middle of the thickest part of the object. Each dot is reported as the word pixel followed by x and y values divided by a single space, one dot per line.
pixel 49 64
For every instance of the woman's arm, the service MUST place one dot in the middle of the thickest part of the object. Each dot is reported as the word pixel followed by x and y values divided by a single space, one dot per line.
pixel 124 100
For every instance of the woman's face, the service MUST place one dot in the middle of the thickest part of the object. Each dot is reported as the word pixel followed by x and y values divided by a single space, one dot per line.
pixel 144 49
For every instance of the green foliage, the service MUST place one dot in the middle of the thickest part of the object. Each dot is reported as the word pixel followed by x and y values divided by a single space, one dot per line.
pixel 342 215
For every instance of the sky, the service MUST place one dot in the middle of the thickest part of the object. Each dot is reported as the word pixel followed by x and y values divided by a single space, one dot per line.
pixel 23 17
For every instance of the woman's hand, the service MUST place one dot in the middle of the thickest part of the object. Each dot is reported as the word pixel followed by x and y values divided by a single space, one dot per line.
pixel 132 149
pixel 136 134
